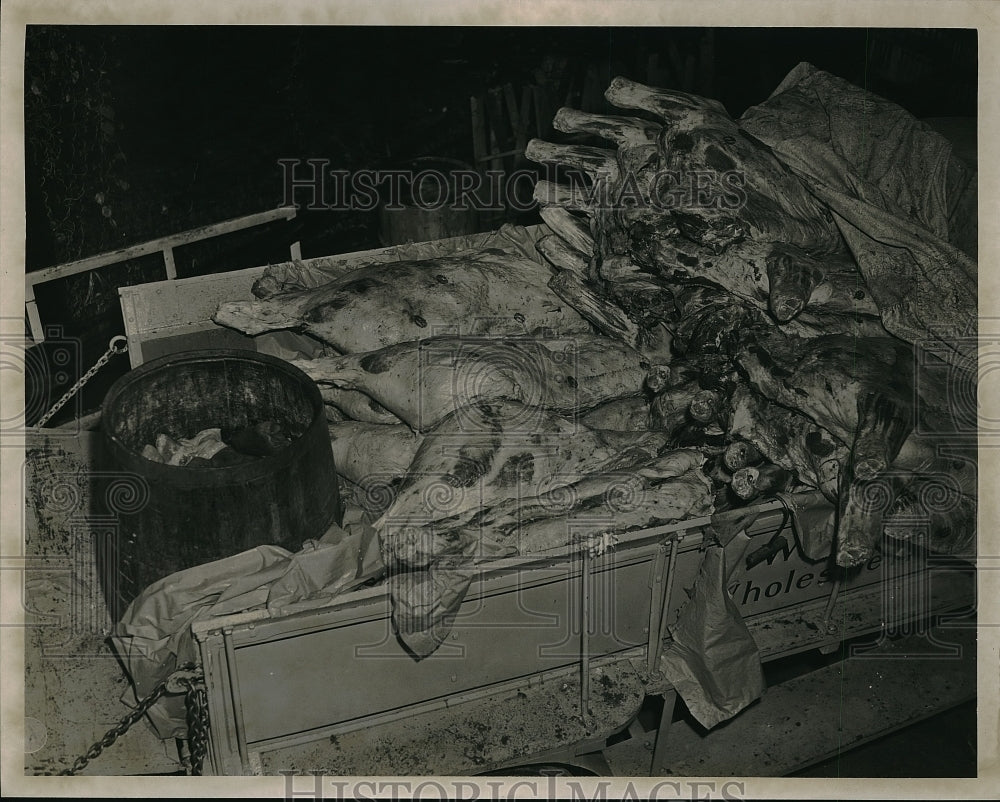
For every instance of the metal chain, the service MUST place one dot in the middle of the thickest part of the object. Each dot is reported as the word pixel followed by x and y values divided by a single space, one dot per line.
pixel 126 723
pixel 117 345
pixel 196 702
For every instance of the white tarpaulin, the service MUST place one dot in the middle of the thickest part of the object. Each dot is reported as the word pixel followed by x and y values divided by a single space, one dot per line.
pixel 904 203
pixel 154 636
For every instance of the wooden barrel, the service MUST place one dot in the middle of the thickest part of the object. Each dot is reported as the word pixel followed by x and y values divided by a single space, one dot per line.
pixel 176 516
pixel 431 204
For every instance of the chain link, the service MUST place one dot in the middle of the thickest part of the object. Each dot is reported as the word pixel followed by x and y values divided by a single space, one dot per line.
pixel 117 345
pixel 197 718
pixel 196 702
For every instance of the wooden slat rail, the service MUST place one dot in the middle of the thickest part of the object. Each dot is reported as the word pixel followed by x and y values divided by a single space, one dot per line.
pixel 164 245
pixel 498 119
pixel 501 129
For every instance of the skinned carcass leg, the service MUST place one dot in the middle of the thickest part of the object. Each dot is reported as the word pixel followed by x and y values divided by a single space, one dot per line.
pixel 883 426
pixel 791 277
pixel 861 508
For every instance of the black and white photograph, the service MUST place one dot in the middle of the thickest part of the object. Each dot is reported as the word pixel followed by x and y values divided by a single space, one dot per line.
pixel 500 403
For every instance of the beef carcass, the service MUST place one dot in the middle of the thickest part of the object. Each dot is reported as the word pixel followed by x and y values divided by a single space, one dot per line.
pixel 622 503
pixel 296 275
pixel 623 414
pixel 757 269
pixel 373 456
pixel 865 393
pixel 356 405
pixel 826 377
pixel 786 438
pixel 696 198
pixel 481 293
pixel 486 454
pixel 654 491
pixel 932 512
pixel 422 382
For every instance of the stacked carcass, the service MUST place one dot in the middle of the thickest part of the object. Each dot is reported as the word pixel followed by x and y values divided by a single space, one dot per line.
pixel 808 315
pixel 706 329
pixel 477 414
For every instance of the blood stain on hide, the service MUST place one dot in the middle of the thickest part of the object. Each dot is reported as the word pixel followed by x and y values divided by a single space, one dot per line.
pixel 321 312
pixel 465 474
pixel 682 143
pixel 718 160
pixel 361 286
pixel 768 363
pixel 401 269
pixel 518 469
pixel 817 445
pixel 488 412
pixel 473 463
pixel 375 362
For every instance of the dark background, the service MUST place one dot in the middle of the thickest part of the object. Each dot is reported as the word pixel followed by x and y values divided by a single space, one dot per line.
pixel 138 132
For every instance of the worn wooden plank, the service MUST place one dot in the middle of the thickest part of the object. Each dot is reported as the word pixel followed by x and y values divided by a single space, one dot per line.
pixel 520 133
pixel 689 72
pixel 592 95
pixel 34 322
pixel 148 308
pixel 156 245
pixel 495 157
pixel 501 135
pixel 676 59
pixel 527 104
pixel 661 749
pixel 168 261
pixel 545 107
pixel 480 148
pixel 162 244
